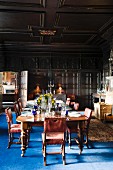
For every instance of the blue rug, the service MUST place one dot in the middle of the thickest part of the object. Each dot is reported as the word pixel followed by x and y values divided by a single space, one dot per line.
pixel 98 157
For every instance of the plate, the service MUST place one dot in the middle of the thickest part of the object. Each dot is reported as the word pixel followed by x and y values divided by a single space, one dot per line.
pixel 74 114
pixel 27 110
pixel 26 113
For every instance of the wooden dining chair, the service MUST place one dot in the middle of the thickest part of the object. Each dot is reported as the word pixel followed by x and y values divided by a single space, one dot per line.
pixel 17 109
pixel 54 133
pixel 74 105
pixel 72 127
pixel 20 104
pixel 88 114
pixel 12 129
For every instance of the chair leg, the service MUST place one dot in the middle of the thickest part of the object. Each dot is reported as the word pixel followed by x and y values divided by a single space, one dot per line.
pixel 44 154
pixel 63 154
pixel 9 142
pixel 19 140
pixel 44 161
pixel 87 141
pixel 66 136
pixel 69 135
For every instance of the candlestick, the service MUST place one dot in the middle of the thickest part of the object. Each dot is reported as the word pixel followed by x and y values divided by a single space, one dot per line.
pixel 50 86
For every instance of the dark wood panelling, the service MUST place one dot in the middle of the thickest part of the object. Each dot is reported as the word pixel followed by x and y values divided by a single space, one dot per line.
pixel 74 3
pixel 73 82
pixel 80 23
pixel 77 50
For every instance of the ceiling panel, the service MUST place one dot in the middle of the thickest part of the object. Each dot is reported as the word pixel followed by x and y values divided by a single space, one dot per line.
pixel 83 22
pixel 56 24
pixel 75 39
pixel 85 3
pixel 19 20
pixel 41 3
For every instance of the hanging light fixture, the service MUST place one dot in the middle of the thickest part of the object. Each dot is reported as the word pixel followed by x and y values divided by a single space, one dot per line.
pixel 47 32
pixel 110 63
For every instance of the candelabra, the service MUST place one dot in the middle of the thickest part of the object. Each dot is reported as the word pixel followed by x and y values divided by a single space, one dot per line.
pixel 50 85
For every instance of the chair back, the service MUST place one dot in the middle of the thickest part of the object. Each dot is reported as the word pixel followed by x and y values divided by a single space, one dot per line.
pixel 9 117
pixel 88 114
pixel 20 104
pixel 68 101
pixel 54 125
pixel 71 96
pixel 17 110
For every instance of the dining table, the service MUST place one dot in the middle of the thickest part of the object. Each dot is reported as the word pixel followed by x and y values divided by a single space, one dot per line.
pixel 29 120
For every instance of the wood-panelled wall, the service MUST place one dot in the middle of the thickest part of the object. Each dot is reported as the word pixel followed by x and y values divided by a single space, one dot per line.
pixel 79 74
pixel 82 84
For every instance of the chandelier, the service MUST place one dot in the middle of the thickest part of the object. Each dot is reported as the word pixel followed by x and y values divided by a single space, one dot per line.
pixel 47 32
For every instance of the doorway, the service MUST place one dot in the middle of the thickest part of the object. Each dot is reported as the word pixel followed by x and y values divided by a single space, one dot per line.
pixel 8 89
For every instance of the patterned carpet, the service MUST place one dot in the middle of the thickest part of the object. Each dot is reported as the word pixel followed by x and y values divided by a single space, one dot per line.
pixel 99 131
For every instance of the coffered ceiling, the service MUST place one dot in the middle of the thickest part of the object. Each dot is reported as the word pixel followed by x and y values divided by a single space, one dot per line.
pixel 56 25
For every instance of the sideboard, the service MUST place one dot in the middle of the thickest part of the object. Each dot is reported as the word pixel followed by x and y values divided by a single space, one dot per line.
pixel 101 108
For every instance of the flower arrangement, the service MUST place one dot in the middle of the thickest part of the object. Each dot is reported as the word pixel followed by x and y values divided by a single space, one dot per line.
pixel 46 98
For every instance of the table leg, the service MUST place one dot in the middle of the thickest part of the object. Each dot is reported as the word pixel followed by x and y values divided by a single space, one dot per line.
pixel 81 137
